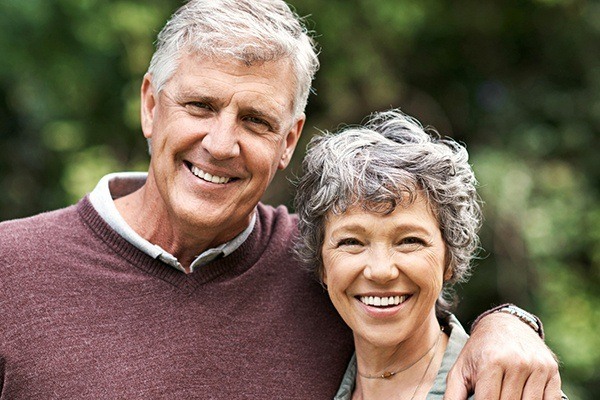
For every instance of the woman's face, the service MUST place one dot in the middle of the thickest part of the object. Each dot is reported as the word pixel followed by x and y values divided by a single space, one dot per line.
pixel 384 273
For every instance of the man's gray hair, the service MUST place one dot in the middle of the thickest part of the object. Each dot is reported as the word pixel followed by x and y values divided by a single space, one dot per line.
pixel 380 166
pixel 251 31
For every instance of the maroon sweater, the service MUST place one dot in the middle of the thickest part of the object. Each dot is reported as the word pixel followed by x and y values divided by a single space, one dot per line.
pixel 85 314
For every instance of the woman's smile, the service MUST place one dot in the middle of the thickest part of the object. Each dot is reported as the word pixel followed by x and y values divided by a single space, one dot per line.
pixel 384 272
pixel 383 301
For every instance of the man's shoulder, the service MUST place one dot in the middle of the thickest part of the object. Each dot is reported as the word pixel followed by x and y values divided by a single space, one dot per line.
pixel 49 223
pixel 276 230
pixel 277 216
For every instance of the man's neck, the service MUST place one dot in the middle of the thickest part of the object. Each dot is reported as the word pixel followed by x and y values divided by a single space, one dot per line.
pixel 145 216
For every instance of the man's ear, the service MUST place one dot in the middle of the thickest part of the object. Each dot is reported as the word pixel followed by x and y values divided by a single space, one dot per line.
pixel 148 105
pixel 291 140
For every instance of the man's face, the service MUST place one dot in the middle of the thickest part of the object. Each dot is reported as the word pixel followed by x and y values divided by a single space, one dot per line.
pixel 219 131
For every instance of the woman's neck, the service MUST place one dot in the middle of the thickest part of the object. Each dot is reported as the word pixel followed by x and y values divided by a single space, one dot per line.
pixel 411 365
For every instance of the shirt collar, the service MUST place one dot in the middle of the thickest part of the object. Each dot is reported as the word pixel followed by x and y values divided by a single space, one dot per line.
pixel 115 185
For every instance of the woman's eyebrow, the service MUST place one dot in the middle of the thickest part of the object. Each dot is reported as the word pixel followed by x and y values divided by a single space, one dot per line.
pixel 349 228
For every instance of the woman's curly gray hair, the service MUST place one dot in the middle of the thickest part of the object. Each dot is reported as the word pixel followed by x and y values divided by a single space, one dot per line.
pixel 379 166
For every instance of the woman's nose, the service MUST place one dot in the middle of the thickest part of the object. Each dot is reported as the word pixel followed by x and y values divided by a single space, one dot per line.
pixel 381 267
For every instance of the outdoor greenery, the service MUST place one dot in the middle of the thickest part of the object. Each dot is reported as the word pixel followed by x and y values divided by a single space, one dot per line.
pixel 518 81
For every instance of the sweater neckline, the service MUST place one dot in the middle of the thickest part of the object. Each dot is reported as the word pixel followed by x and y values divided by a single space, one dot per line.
pixel 226 267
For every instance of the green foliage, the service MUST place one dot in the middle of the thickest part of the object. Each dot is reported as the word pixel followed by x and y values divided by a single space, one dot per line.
pixel 517 80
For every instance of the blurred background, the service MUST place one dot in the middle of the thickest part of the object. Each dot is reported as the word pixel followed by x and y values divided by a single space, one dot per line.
pixel 518 81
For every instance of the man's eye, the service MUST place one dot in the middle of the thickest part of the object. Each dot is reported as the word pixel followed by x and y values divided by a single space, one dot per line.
pixel 198 105
pixel 258 124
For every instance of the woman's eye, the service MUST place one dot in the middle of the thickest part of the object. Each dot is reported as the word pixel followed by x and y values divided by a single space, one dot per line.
pixel 412 241
pixel 349 242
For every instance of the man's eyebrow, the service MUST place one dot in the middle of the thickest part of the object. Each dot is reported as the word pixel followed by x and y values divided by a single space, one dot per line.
pixel 195 95
pixel 258 113
pixel 270 117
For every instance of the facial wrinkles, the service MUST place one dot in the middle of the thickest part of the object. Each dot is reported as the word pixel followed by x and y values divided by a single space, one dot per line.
pixel 221 171
pixel 254 102
pixel 238 111
pixel 437 265
pixel 373 230
pixel 382 250
pixel 170 101
pixel 285 104
pixel 420 267
pixel 245 84
pixel 230 116
pixel 177 124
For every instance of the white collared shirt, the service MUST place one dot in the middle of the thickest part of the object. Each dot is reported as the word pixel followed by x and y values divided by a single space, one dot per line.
pixel 119 184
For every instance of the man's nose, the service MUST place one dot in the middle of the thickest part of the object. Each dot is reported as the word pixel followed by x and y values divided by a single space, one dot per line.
pixel 381 267
pixel 221 140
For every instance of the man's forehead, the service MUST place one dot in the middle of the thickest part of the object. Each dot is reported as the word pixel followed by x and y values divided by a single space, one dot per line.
pixel 270 81
pixel 263 71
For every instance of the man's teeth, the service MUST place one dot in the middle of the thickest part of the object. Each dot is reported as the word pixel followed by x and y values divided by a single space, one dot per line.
pixel 208 177
pixel 383 301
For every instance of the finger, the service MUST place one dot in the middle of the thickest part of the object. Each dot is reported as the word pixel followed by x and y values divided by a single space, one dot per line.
pixel 514 381
pixel 535 385
pixel 456 385
pixel 553 387
pixel 489 384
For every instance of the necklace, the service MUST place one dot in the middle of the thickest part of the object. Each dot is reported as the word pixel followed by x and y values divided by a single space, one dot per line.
pixel 388 374
pixel 426 369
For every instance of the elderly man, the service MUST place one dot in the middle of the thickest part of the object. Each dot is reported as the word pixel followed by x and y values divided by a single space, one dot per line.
pixel 178 283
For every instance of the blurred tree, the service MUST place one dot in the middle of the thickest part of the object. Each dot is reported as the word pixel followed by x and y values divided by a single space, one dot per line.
pixel 517 80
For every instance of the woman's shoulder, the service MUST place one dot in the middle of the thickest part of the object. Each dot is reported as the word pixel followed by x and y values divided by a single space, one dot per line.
pixel 457 339
pixel 348 381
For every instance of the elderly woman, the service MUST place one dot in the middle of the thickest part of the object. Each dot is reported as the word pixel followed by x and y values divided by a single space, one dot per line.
pixel 389 217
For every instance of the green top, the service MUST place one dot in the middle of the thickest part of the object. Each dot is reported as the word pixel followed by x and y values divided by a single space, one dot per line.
pixel 458 338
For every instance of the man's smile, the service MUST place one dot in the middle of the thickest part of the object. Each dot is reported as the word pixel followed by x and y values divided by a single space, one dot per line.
pixel 206 176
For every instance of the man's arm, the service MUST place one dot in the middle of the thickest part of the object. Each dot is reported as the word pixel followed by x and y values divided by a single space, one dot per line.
pixel 505 358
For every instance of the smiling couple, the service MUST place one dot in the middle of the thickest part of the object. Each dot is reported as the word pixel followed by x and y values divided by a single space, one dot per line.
pixel 179 283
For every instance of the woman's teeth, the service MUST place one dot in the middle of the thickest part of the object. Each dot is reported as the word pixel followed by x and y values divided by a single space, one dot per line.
pixel 383 301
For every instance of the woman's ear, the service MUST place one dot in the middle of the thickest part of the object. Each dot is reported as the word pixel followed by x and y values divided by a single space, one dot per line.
pixel 448 270
pixel 448 273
